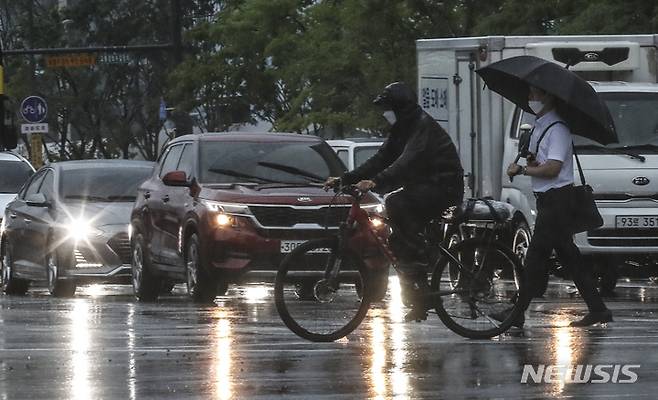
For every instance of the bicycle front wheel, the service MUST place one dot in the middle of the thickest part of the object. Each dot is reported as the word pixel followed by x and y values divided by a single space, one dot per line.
pixel 314 307
pixel 478 303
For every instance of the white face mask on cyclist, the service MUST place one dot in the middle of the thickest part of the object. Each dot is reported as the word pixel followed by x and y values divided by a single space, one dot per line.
pixel 390 117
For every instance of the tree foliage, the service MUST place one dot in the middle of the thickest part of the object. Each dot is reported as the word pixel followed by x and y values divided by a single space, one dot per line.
pixel 106 110
pixel 306 66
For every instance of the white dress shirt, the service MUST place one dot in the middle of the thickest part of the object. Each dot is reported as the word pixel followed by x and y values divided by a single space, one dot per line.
pixel 556 145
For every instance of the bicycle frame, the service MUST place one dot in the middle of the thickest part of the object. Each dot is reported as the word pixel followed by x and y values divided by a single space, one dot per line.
pixel 359 219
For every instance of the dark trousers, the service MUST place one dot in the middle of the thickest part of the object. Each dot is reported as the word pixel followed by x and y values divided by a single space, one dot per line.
pixel 410 210
pixel 551 232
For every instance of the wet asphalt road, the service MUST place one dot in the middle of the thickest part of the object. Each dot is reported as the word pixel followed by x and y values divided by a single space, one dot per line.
pixel 103 345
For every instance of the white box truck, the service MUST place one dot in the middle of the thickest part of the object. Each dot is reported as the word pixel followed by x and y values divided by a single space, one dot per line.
pixel 485 127
pixel 355 151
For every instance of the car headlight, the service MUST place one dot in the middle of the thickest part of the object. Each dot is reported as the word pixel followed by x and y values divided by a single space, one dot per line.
pixel 80 230
pixel 226 208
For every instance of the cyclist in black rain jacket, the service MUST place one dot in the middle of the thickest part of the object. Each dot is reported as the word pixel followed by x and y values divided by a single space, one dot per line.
pixel 419 157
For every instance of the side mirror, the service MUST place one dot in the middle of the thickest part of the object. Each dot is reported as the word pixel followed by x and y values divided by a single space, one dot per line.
pixel 176 178
pixel 37 200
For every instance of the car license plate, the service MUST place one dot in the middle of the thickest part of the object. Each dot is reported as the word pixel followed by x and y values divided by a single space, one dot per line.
pixel 636 221
pixel 288 246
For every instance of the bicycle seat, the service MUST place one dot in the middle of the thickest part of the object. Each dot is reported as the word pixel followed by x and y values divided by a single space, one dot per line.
pixel 478 210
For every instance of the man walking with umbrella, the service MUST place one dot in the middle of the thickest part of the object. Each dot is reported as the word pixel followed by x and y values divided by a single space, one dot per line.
pixel 551 170
pixel 560 100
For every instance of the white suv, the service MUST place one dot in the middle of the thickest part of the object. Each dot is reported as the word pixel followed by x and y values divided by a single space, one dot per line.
pixel 14 172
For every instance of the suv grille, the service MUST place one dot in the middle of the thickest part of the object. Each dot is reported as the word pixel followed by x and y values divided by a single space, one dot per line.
pixel 623 237
pixel 285 216
pixel 120 244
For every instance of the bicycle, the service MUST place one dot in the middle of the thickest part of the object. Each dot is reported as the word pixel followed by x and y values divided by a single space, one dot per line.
pixel 466 287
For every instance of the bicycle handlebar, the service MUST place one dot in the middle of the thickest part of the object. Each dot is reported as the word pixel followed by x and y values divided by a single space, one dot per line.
pixel 351 190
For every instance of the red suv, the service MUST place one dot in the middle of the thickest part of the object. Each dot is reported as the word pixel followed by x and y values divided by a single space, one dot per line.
pixel 227 207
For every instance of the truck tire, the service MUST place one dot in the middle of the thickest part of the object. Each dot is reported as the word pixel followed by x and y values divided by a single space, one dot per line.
pixel 521 237
pixel 520 241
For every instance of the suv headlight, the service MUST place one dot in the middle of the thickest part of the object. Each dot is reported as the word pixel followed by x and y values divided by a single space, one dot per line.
pixel 226 208
pixel 225 212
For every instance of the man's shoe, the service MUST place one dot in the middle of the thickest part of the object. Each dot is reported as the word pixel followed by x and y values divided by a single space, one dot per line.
pixel 502 316
pixel 417 314
pixel 593 318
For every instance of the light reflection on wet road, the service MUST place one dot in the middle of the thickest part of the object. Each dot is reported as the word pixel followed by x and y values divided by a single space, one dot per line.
pixel 102 344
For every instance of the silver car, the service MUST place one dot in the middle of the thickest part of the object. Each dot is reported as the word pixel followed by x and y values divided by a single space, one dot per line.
pixel 69 226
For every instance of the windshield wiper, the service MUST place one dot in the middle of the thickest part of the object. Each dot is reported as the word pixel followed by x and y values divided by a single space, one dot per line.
pixel 647 146
pixel 122 197
pixel 237 174
pixel 86 197
pixel 288 184
pixel 292 170
pixel 612 150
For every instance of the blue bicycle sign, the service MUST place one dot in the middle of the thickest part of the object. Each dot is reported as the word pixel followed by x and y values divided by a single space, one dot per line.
pixel 34 109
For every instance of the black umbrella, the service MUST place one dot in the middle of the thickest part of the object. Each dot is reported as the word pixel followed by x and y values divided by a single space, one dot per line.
pixel 582 109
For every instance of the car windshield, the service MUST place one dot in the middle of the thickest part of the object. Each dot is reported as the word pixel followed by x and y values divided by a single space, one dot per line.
pixel 635 117
pixel 13 176
pixel 107 184
pixel 362 154
pixel 244 161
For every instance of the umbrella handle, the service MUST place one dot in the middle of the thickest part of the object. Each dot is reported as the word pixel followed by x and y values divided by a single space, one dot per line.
pixel 518 157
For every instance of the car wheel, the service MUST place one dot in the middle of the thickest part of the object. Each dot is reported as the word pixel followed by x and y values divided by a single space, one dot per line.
pixel 11 285
pixel 56 286
pixel 146 285
pixel 200 287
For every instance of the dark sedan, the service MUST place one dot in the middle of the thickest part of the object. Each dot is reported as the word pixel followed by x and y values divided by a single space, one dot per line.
pixel 69 225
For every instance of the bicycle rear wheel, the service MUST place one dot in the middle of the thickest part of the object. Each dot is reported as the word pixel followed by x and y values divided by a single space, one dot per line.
pixel 327 310
pixel 478 291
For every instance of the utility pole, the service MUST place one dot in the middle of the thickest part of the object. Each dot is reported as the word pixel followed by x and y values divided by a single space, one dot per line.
pixel 176 31
pixel 3 129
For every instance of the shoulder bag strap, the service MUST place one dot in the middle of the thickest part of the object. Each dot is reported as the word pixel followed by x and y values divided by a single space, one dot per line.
pixel 544 134
pixel 580 169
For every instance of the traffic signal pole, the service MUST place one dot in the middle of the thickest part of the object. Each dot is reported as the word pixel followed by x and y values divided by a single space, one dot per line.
pixel 175 46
